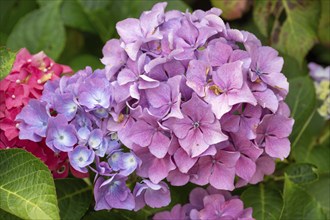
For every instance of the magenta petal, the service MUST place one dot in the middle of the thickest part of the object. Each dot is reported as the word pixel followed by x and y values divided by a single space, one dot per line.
pixel 229 76
pixel 196 197
pixel 129 30
pixel 222 177
pixel 159 145
pixel 219 53
pixel 180 127
pixel 196 76
pixel 233 207
pixel 276 80
pixel 142 133
pixel 212 133
pixel 267 99
pixel 204 166
pixel 218 103
pixel 277 147
pixel 176 178
pixel 183 161
pixel 158 198
pixel 245 168
pixel 242 95
pixel 194 143
pixel 160 168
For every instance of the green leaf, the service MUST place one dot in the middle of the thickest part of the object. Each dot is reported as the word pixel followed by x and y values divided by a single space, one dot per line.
pixel 262 12
pixel 308 141
pixel 12 11
pixel 324 24
pixel 267 203
pixel 39 30
pixel 232 9
pixel 81 61
pixel 7 59
pixel 74 197
pixel 26 186
pixel 301 173
pixel 299 204
pixel 43 3
pixel 298 33
pixel 320 191
pixel 74 16
pixel 301 100
pixel 319 156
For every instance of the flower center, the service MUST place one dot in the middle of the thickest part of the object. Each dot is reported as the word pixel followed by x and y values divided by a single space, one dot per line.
pixel 196 124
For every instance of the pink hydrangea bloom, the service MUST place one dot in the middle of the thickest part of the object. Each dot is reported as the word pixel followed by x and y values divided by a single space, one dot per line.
pixel 208 204
pixel 197 100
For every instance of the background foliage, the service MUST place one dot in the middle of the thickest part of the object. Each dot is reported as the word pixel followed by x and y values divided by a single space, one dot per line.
pixel 73 32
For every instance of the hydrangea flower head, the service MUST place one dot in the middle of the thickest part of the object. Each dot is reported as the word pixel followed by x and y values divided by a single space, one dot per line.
pixel 197 100
pixel 208 204
pixel 24 83
pixel 182 97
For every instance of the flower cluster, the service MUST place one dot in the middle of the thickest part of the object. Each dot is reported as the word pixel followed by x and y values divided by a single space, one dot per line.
pixel 24 82
pixel 72 115
pixel 196 100
pixel 191 99
pixel 321 77
pixel 208 204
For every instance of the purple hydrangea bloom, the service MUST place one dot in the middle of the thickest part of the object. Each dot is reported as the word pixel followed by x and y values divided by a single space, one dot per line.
pixel 272 133
pixel 228 89
pixel 218 170
pixel 177 212
pixel 60 136
pixel 66 105
pixel 95 94
pixel 113 193
pixel 198 129
pixel 154 195
pixel 33 121
pixel 125 163
pixel 81 157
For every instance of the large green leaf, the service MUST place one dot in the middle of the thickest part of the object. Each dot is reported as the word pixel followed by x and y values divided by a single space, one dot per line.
pixel 319 156
pixel 74 16
pixel 7 59
pixel 301 100
pixel 297 35
pixel 26 186
pixel 306 145
pixel 264 13
pixel 74 197
pixel 267 203
pixel 320 191
pixel 299 204
pixel 39 30
pixel 12 11
pixel 301 173
pixel 324 24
